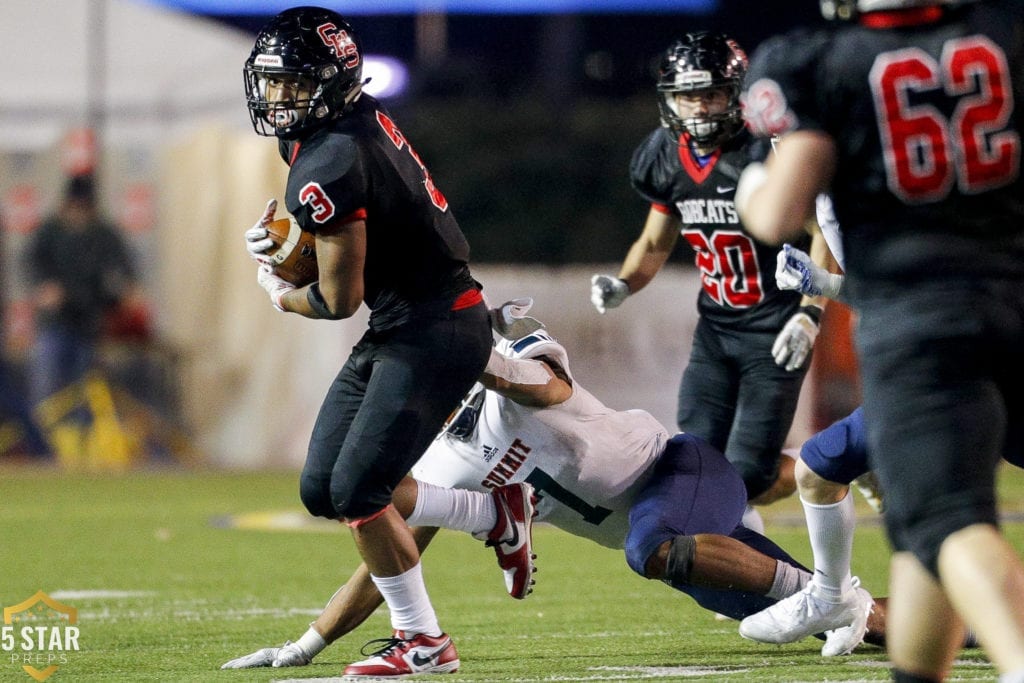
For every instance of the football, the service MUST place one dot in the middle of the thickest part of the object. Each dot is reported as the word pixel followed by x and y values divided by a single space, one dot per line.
pixel 293 255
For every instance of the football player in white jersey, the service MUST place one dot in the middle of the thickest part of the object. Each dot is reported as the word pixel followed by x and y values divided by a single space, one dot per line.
pixel 615 477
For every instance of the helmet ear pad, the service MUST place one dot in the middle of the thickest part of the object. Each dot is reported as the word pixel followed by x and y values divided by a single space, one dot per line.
pixel 308 43
pixel 702 61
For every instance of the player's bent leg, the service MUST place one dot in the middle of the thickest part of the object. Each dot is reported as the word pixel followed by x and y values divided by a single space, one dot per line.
pixel 922 647
pixel 991 600
pixel 727 575
pixel 689 469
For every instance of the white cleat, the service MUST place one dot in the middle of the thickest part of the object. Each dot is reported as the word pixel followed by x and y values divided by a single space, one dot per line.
pixel 843 641
pixel 805 614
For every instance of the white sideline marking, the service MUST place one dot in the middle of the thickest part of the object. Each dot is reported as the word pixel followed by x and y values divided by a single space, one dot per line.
pixel 99 594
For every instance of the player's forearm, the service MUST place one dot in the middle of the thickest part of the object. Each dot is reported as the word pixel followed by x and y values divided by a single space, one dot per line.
pixel 526 381
pixel 642 263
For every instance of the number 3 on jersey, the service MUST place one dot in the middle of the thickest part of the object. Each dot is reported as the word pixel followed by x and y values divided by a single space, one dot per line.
pixel 926 152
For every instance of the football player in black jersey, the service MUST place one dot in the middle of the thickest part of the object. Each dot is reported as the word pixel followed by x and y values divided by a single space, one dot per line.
pixel 386 236
pixel 752 343
pixel 911 117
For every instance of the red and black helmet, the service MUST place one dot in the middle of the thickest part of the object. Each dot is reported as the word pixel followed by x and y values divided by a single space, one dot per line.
pixel 315 46
pixel 702 61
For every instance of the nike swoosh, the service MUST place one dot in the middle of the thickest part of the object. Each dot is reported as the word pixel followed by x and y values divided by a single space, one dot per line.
pixel 423 660
pixel 723 190
pixel 514 541
pixel 420 660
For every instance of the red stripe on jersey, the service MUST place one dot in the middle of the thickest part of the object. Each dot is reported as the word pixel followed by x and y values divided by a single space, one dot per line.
pixel 295 153
pixel 905 17
pixel 661 208
pixel 357 215
pixel 471 297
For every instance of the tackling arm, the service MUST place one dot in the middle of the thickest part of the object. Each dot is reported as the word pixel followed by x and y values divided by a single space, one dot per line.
pixel 527 381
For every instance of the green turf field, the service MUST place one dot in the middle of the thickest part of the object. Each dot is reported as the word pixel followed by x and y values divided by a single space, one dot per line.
pixel 168 587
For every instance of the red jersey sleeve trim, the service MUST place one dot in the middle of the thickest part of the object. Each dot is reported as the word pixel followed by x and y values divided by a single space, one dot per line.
pixel 661 208
pixel 357 215
pixel 471 297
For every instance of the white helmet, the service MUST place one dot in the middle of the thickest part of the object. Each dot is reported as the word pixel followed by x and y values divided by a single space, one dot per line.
pixel 538 343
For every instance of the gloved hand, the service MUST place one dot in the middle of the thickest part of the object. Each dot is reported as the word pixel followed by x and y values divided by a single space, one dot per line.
pixel 510 320
pixel 794 343
pixel 275 286
pixel 607 292
pixel 795 270
pixel 257 238
pixel 288 655
pixel 292 654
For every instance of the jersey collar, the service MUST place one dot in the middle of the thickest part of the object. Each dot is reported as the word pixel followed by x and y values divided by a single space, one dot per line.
pixel 693 168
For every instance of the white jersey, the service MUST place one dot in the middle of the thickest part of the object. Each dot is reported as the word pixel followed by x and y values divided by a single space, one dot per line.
pixel 585 460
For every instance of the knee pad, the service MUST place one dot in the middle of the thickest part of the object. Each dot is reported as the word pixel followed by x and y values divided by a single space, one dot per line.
pixel 316 496
pixel 681 554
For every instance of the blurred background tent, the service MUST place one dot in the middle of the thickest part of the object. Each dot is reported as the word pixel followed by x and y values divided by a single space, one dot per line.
pixel 527 120
pixel 135 72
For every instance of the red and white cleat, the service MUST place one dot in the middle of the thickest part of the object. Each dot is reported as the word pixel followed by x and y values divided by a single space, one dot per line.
pixel 401 655
pixel 512 537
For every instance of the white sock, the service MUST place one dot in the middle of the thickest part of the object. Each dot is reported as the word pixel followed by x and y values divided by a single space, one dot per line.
pixel 406 597
pixel 831 530
pixel 788 580
pixel 457 509
pixel 752 520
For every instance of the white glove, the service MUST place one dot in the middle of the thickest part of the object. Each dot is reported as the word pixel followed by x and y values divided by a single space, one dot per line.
pixel 292 654
pixel 510 320
pixel 275 286
pixel 288 655
pixel 607 292
pixel 257 238
pixel 795 341
pixel 795 270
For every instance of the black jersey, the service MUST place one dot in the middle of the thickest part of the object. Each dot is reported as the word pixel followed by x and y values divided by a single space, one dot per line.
pixel 737 271
pixel 927 122
pixel 361 166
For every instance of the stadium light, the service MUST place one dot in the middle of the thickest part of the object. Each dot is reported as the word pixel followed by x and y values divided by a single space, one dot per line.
pixel 388 76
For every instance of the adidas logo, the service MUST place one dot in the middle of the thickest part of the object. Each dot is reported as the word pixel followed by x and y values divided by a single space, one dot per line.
pixel 489 453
